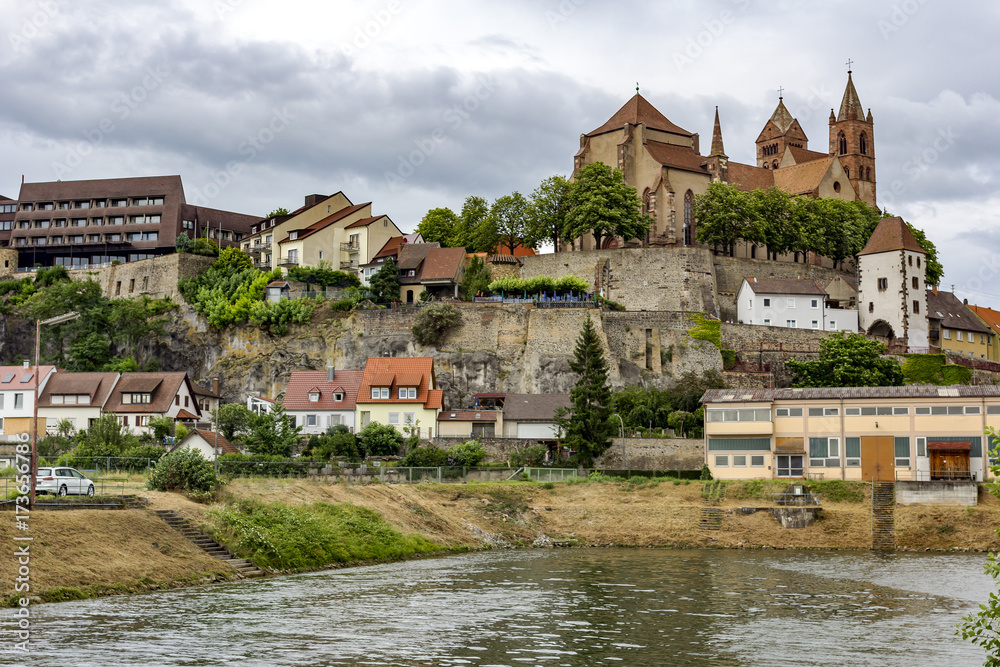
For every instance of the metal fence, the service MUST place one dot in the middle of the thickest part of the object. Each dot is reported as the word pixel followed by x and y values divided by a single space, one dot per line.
pixel 105 464
pixel 937 475
pixel 105 488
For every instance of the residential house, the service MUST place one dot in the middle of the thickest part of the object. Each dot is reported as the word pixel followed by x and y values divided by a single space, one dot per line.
pixel 533 415
pixel 913 432
pixel 78 398
pixel 261 245
pixel 399 391
pixel 390 250
pixel 318 400
pixel 428 267
pixel 259 405
pixel 207 398
pixel 796 304
pixel 8 209
pixel 954 328
pixel 483 423
pixel 85 223
pixel 842 292
pixel 208 443
pixel 17 397
pixel 139 396
pixel 990 318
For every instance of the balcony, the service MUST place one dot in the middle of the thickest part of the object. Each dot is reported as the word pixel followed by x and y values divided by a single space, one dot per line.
pixel 349 266
pixel 288 262
pixel 352 248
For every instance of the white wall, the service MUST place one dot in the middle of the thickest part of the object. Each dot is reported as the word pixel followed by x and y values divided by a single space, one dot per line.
pixel 894 303
pixel 324 420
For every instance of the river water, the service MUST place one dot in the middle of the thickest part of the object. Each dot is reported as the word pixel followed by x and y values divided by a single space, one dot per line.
pixel 626 607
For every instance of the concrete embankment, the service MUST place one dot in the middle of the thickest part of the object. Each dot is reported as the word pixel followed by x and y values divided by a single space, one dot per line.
pixel 84 553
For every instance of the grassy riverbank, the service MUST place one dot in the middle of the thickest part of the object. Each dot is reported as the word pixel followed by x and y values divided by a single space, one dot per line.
pixel 300 525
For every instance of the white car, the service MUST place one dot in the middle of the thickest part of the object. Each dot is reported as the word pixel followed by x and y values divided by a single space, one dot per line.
pixel 63 481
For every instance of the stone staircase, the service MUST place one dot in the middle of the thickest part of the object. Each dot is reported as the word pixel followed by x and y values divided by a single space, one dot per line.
pixel 883 516
pixel 204 542
pixel 711 518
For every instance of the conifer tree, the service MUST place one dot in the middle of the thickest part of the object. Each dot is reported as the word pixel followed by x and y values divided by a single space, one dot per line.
pixel 586 425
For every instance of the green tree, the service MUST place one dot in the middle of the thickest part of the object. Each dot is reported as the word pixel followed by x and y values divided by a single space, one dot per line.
pixel 725 216
pixel 602 204
pixel 273 433
pixel 183 242
pixel 547 212
pixel 475 212
pixel 276 212
pixel 508 220
pixel 439 226
pixel 162 427
pixel 204 246
pixel 434 322
pixel 847 361
pixel 982 627
pixel 183 470
pixel 681 421
pixel 231 420
pixel 384 285
pixel 106 437
pixel 232 259
pixel 587 424
pixel 380 439
pixel 477 279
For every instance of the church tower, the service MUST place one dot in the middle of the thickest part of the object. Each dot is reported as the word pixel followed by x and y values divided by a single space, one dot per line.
pixel 852 139
pixel 718 161
pixel 779 132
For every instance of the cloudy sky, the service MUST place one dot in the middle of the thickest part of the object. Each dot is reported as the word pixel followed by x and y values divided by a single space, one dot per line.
pixel 414 104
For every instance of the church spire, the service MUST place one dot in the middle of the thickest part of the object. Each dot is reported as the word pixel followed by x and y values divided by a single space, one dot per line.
pixel 717 149
pixel 781 116
pixel 850 106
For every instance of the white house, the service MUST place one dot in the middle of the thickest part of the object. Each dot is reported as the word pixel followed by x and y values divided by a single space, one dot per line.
pixel 792 303
pixel 892 290
pixel 17 398
pixel 321 399
pixel 78 398
pixel 259 405
pixel 206 442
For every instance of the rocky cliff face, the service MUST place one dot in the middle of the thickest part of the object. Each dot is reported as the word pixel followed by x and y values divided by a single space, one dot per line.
pixel 499 347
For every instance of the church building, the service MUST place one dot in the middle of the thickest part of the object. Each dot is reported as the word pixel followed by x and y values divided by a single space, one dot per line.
pixel 664 163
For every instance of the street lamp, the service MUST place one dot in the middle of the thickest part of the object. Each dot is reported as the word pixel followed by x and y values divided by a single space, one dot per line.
pixel 58 319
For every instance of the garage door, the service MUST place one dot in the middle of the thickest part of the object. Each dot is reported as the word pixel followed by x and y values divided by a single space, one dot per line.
pixel 546 431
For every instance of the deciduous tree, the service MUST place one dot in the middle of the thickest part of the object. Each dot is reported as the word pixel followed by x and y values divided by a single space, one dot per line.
pixel 439 226
pixel 847 361
pixel 547 212
pixel 602 204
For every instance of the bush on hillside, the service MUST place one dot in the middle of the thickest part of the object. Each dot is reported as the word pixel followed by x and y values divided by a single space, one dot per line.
pixel 183 470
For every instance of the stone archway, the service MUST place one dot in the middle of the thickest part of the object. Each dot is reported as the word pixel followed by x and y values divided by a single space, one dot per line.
pixel 882 330
pixel 609 243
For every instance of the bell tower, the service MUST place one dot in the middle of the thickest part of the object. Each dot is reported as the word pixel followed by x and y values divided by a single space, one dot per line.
pixel 852 139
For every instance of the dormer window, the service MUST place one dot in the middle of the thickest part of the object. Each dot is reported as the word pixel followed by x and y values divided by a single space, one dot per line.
pixel 313 396
pixel 141 398
pixel 338 397
pixel 292 236
pixel 380 392
pixel 407 392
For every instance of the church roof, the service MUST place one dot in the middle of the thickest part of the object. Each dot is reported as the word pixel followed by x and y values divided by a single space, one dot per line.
pixel 891 234
pixel 801 155
pixel 747 177
pixel 639 110
pixel 781 116
pixel 800 179
pixel 676 157
pixel 717 148
pixel 850 106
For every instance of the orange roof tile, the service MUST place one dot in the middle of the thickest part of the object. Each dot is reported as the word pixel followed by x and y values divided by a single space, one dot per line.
pixel 747 177
pixel 989 316
pixel 800 179
pixel 443 264
pixel 210 437
pixel 301 383
pixel 678 157
pixel 435 399
pixel 639 110
pixel 801 155
pixel 891 234
pixel 377 369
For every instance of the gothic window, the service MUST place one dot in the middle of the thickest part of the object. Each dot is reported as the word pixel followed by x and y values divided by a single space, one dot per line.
pixel 842 141
pixel 688 219
pixel 774 164
pixel 863 144
pixel 753 252
pixel 847 171
pixel 868 173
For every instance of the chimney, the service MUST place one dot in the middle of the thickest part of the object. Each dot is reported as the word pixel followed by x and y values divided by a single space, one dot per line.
pixel 934 288
pixel 312 200
pixel 329 373
pixel 965 301
pixel 26 364
pixel 215 386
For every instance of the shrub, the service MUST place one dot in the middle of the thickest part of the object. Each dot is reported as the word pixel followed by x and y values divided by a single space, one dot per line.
pixel 203 246
pixel 232 259
pixel 265 465
pixel 276 316
pixel 572 284
pixel 467 454
pixel 425 457
pixel 183 470
pixel 434 322
pixel 380 439
pixel 529 456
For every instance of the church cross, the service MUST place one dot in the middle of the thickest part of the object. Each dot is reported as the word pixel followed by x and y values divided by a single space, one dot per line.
pixel 780 92
pixel 849 63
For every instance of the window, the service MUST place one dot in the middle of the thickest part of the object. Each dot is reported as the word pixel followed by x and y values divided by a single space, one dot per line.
pixel 824 452
pixel 790 303
pixel 972 410
pixel 185 401
pixel 871 307
pixel 863 144
pixel 767 322
pixel 81 204
pixel 292 236
pixel 738 415
pixel 916 306
pixel 757 461
pixel 900 411
pixel 916 281
pixel 814 303
pixel 990 409
pixel 18 401
pixel 946 333
pixel 958 335
pixel 187 224
pixel 767 303
pixel 394 418
pixel 824 412
pixel 790 324
pixel 842 143
pixel 815 324
pixel 313 396
pixel 310 420
pixel 833 324
pixel 721 460
pixel 688 218
pixel 739 460
pixel 380 392
pixel 338 397
pixel 902 447
pixel 883 284
pixel 408 417
pixel 119 202
pixel 790 465
pixel 788 412
pixel 922 411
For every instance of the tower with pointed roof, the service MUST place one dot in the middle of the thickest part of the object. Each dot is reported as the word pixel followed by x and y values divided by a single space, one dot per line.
pixel 780 132
pixel 718 161
pixel 892 291
pixel 852 139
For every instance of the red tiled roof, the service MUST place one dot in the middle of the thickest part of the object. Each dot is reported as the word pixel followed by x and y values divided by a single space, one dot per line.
pixel 800 179
pixel 443 264
pixel 210 437
pixel 801 155
pixel 377 369
pixel 408 379
pixel 747 177
pixel 302 383
pixel 435 399
pixel 987 315
pixel 639 110
pixel 891 234
pixel 391 247
pixel 677 157
pixel 952 313
pixel 364 222
pixel 533 407
pixel 18 373
pixel 185 416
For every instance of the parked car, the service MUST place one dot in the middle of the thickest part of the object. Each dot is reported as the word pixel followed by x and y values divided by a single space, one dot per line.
pixel 63 481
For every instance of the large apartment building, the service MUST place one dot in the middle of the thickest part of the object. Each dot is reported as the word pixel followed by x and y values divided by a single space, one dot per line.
pixel 79 224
